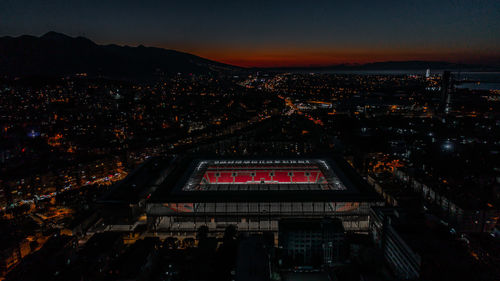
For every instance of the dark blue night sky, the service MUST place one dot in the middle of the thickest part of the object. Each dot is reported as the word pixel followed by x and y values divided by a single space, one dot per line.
pixel 272 33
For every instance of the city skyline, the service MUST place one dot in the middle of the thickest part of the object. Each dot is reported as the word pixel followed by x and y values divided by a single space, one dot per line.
pixel 249 140
pixel 279 33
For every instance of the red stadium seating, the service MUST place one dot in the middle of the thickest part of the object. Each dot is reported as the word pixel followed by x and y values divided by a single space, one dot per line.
pixel 243 177
pixel 314 176
pixel 262 175
pixel 271 175
pixel 225 177
pixel 281 176
pixel 211 177
pixel 299 176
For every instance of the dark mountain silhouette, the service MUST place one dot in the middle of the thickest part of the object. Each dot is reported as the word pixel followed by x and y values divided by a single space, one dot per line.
pixel 56 54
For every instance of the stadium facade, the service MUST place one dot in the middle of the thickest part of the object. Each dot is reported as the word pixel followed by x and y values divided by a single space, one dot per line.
pixel 255 194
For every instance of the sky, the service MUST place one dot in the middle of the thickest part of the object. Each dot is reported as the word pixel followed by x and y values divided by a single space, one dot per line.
pixel 275 33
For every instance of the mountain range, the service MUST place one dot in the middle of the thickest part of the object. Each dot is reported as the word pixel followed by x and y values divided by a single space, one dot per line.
pixel 56 54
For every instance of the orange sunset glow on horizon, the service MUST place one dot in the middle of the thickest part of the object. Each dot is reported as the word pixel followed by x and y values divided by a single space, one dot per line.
pixel 298 58
pixel 318 56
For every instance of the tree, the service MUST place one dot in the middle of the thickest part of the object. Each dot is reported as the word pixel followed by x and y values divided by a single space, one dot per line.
pixel 188 243
pixel 171 242
pixel 202 233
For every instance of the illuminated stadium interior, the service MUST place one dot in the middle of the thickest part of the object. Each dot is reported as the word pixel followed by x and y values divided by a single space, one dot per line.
pixel 218 175
pixel 255 194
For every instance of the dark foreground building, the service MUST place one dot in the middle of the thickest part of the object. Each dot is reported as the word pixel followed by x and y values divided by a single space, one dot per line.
pixel 312 242
pixel 418 246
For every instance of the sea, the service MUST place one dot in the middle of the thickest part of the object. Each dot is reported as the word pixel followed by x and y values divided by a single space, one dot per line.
pixel 478 80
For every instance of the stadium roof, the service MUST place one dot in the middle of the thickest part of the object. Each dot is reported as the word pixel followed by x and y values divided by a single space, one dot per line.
pixel 179 183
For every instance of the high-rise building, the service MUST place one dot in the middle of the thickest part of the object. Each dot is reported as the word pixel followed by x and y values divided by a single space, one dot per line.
pixel 446 86
pixel 402 259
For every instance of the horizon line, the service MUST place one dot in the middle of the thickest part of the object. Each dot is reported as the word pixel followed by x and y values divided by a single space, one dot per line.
pixel 293 62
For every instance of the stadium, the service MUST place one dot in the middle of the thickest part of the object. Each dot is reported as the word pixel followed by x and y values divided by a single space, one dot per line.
pixel 262 175
pixel 255 194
